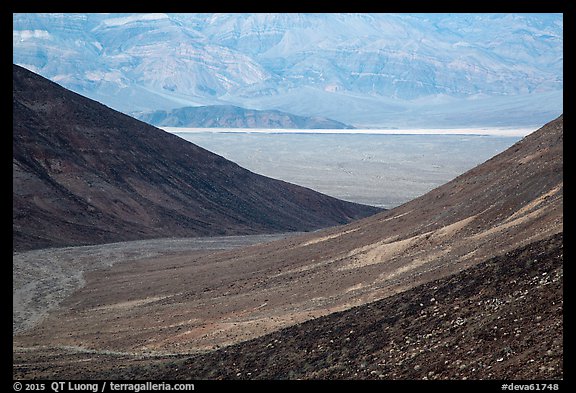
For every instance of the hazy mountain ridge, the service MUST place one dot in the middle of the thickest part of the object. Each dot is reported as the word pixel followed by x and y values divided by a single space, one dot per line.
pixel 86 174
pixel 228 116
pixel 388 70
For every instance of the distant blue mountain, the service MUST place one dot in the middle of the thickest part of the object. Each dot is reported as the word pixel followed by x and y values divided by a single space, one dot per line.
pixel 229 116
pixel 387 70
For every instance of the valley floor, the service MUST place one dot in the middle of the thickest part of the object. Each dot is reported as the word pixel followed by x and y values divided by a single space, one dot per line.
pixel 374 169
pixel 501 319
pixel 43 278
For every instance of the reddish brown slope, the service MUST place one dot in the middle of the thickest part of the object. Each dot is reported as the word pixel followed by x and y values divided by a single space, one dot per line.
pixel 198 303
pixel 502 319
pixel 85 174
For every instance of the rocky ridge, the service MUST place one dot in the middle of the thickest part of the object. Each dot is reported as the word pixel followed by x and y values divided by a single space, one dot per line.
pixel 86 174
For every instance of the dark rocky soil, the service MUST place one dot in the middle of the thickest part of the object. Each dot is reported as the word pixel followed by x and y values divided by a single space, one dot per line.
pixel 502 319
pixel 86 174
pixel 467 278
pixel 182 304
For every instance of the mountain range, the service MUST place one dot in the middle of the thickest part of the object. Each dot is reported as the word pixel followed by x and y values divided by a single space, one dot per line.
pixel 85 174
pixel 465 281
pixel 366 70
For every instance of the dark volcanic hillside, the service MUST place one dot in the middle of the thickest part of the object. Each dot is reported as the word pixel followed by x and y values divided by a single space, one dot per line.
pixel 502 319
pixel 229 116
pixel 85 174
pixel 470 273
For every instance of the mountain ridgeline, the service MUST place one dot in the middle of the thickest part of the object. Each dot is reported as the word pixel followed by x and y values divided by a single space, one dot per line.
pixel 229 116
pixel 86 174
pixel 399 70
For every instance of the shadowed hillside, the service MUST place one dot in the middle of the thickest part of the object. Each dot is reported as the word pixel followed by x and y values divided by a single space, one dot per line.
pixel 468 280
pixel 85 174
pixel 502 319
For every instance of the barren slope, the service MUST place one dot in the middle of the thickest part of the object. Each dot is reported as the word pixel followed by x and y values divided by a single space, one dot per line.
pixel 200 303
pixel 502 319
pixel 85 174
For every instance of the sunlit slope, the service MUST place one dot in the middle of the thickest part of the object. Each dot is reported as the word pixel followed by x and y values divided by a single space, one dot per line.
pixel 202 302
